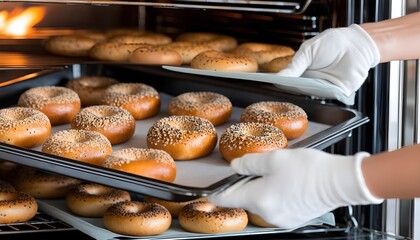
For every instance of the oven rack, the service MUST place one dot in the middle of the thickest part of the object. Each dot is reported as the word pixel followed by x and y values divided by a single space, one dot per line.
pixel 291 6
pixel 41 222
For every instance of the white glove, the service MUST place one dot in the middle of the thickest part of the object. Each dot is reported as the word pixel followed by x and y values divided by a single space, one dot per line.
pixel 342 56
pixel 296 185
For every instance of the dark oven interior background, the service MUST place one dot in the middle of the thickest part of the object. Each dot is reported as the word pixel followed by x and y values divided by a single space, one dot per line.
pixel 283 28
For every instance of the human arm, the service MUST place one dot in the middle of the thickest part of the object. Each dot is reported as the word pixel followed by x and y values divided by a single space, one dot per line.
pixel 297 185
pixel 394 174
pixel 397 38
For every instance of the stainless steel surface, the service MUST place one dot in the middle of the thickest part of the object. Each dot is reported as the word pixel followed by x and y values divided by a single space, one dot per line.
pixel 239 5
pixel 40 223
pixel 95 228
pixel 403 128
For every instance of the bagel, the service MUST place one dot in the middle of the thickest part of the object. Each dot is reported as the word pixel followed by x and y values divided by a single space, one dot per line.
pixel 155 55
pixel 225 62
pixel 90 88
pixel 217 41
pixel 263 53
pixel 60 104
pixel 291 119
pixel 137 218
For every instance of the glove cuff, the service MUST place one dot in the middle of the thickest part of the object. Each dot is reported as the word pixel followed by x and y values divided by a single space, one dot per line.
pixel 367 44
pixel 367 196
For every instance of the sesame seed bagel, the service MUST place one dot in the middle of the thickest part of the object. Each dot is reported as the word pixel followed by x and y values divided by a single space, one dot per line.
pixel 16 206
pixel 212 106
pixel 217 41
pixel 291 119
pixel 137 218
pixel 60 104
pixel 113 51
pixel 155 55
pixel 152 163
pixel 42 185
pixel 225 62
pixel 188 50
pixel 250 137
pixel 90 88
pixel 183 137
pixel 92 199
pixel 205 217
pixel 23 127
pixel 116 124
pixel 173 207
pixel 263 53
pixel 141 100
pixel 79 145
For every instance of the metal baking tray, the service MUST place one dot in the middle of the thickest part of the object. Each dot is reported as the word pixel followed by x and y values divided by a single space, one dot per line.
pixel 95 227
pixel 329 124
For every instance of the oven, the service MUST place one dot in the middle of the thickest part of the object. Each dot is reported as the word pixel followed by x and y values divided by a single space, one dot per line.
pixel 383 117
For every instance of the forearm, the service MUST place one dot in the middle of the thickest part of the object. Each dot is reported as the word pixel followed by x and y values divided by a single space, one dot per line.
pixel 397 39
pixel 394 174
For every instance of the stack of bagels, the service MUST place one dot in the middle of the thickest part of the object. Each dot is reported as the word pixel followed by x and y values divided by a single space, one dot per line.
pixel 199 50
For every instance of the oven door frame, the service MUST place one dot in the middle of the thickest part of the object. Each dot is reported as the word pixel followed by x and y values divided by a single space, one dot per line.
pixel 394 88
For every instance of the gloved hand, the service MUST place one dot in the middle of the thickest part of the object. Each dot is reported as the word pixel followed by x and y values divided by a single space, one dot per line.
pixel 296 185
pixel 342 56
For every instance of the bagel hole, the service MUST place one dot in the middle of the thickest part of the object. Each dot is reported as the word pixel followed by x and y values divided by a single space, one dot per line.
pixel 94 84
pixel 137 208
pixel 98 190
pixel 181 126
pixel 80 139
pixel 51 94
pixel 206 100
pixel 105 113
pixel 279 109
pixel 208 207
pixel 15 116
pixel 257 132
